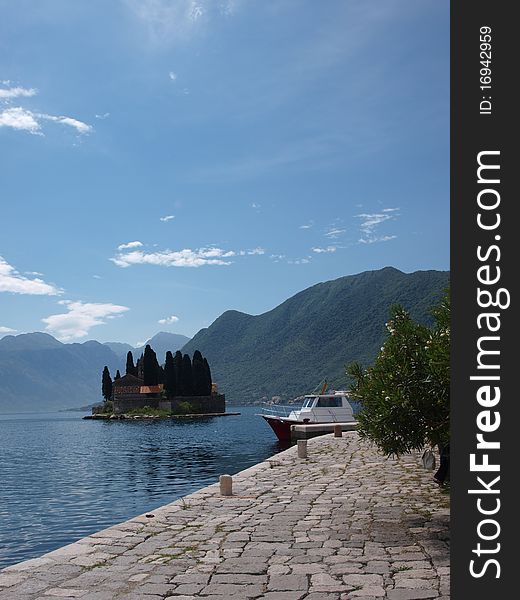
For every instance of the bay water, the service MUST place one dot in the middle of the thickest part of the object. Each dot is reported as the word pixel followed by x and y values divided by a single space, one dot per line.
pixel 62 477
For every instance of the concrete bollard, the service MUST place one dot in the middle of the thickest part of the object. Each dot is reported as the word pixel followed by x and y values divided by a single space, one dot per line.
pixel 337 431
pixel 302 448
pixel 226 485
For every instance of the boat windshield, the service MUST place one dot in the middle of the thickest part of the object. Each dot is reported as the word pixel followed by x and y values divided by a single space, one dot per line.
pixel 308 402
pixel 330 402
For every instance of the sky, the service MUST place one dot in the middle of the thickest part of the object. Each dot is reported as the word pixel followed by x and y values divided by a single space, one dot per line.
pixel 163 161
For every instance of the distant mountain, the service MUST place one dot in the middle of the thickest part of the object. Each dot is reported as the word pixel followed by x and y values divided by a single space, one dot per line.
pixel 161 342
pixel 120 348
pixel 310 337
pixel 39 373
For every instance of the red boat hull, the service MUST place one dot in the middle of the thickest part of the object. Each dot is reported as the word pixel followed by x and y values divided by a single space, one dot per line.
pixel 282 428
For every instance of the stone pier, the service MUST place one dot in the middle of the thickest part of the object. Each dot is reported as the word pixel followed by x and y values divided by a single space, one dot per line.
pixel 344 523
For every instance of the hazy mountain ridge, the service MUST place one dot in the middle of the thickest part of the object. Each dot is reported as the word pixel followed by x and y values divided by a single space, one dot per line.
pixel 161 342
pixel 39 373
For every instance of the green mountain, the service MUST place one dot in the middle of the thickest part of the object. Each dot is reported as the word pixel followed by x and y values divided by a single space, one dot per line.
pixel 310 337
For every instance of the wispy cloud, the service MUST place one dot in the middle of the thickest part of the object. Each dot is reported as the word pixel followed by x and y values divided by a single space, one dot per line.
pixel 175 258
pixel 172 76
pixel 328 249
pixel 135 244
pixel 174 21
pixel 186 257
pixel 103 116
pixel 167 218
pixel 169 320
pixel 80 318
pixel 335 232
pixel 307 225
pixel 371 221
pixel 6 330
pixel 12 281
pixel 252 252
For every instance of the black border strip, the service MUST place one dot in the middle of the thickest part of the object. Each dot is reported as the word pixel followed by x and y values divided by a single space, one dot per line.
pixel 473 131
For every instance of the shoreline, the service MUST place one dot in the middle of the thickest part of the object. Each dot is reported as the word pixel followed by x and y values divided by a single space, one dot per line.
pixel 346 522
pixel 123 416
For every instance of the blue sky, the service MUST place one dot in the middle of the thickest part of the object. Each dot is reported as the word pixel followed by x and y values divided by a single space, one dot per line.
pixel 163 161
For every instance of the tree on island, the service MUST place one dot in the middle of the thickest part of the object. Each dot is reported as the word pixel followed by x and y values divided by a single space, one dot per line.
pixel 170 375
pixel 199 375
pixel 150 367
pixel 207 378
pixel 405 394
pixel 131 369
pixel 106 384
pixel 187 376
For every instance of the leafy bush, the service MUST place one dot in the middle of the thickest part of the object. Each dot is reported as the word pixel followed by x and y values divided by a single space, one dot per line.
pixel 405 394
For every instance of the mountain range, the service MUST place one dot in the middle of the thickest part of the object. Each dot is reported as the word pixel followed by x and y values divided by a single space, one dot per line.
pixel 39 373
pixel 284 352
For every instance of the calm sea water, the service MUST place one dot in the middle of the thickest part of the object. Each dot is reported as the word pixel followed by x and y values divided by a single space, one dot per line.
pixel 62 478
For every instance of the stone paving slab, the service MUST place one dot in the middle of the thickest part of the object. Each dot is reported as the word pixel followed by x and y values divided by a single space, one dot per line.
pixel 344 524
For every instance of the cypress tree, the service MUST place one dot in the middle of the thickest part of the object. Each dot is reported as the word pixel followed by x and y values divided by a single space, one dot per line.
pixel 106 384
pixel 187 375
pixel 118 375
pixel 150 367
pixel 130 368
pixel 139 367
pixel 170 375
pixel 177 362
pixel 199 375
pixel 207 378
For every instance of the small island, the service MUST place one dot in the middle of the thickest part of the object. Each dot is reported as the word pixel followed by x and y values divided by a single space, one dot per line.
pixel 182 386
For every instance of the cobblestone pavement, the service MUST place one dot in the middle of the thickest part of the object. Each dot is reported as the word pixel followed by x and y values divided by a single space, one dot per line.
pixel 345 523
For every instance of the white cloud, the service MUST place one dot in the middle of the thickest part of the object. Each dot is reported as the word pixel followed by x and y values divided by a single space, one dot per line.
pixel 135 244
pixel 12 281
pixel 26 120
pixel 168 320
pixel 16 92
pixel 255 205
pixel 255 251
pixel 6 330
pixel 167 218
pixel 18 118
pixel 80 318
pixel 103 116
pixel 308 226
pixel 175 258
pixel 172 76
pixel 325 250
